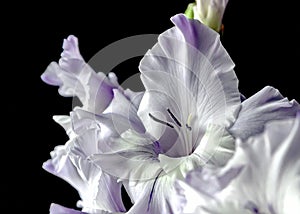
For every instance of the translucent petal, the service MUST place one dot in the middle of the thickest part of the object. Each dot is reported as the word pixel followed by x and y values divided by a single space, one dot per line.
pixel 189 73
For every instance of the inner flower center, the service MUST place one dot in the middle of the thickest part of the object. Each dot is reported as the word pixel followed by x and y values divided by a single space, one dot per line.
pixel 185 143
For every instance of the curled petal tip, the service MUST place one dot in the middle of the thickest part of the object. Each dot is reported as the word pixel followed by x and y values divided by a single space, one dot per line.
pixel 70 46
pixel 72 38
pixel 58 209
pixel 48 166
pixel 66 45
pixel 176 17
pixel 50 76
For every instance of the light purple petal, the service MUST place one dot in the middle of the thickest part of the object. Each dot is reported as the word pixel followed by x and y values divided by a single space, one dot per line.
pixel 50 76
pixel 61 166
pixel 70 46
pixel 121 105
pixel 189 73
pixel 216 146
pixel 98 190
pixel 132 156
pixel 108 126
pixel 65 122
pixel 211 180
pixel 154 195
pixel 284 173
pixel 160 190
pixel 58 209
pixel 134 97
pixel 187 199
pixel 102 191
pixel 266 105
pixel 272 168
pixel 76 78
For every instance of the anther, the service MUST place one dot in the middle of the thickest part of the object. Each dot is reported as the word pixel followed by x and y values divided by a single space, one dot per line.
pixel 188 127
pixel 173 117
pixel 160 121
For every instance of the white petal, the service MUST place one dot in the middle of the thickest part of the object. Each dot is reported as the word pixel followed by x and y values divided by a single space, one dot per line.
pixel 129 156
pixel 216 146
pixel 65 122
pixel 284 171
pixel 121 105
pixel 108 126
pixel 98 190
pixel 189 72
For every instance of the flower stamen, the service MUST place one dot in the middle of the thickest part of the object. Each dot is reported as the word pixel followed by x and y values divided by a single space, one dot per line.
pixel 160 121
pixel 174 118
pixel 188 127
pixel 188 123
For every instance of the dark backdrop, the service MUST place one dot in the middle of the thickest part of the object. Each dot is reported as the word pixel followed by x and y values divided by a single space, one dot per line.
pixel 261 38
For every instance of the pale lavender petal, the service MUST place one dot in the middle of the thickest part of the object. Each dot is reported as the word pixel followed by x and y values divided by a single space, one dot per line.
pixel 109 192
pixel 216 146
pixel 134 97
pixel 70 46
pixel 102 191
pixel 160 190
pixel 211 180
pixel 76 78
pixel 141 204
pixel 106 126
pixel 65 122
pixel 61 165
pixel 208 43
pixel 98 191
pixel 50 76
pixel 187 200
pixel 266 105
pixel 58 209
pixel 200 187
pixel 284 173
pixel 271 170
pixel 193 80
pixel 121 105
pixel 132 156
pixel 154 195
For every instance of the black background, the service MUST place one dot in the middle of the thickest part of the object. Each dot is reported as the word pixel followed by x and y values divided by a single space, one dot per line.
pixel 261 38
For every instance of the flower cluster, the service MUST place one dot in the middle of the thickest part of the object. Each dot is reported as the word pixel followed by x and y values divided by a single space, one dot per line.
pixel 189 143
